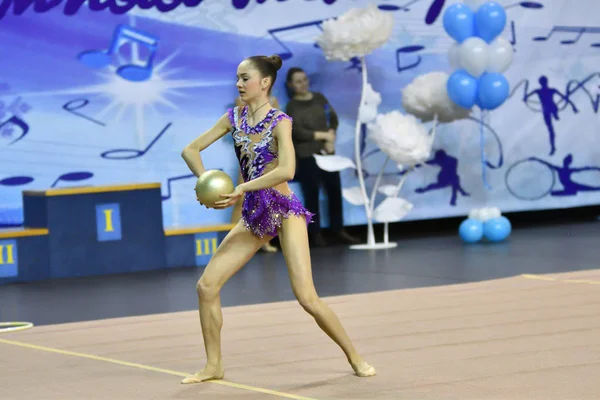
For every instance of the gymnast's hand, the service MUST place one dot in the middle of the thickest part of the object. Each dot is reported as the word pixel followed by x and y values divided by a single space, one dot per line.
pixel 229 199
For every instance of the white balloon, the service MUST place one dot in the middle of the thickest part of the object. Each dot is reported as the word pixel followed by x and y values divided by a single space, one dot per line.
pixel 475 214
pixel 500 55
pixel 495 212
pixel 474 4
pixel 454 55
pixel 474 56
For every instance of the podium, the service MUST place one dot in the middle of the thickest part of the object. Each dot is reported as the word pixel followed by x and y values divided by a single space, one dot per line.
pixel 194 246
pixel 23 255
pixel 99 230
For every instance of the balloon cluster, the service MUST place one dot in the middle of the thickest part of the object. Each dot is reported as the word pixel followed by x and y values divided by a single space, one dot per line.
pixel 486 223
pixel 479 56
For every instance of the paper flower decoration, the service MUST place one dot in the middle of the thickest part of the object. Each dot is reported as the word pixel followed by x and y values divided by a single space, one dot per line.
pixel 368 109
pixel 355 33
pixel 392 209
pixel 401 137
pixel 427 96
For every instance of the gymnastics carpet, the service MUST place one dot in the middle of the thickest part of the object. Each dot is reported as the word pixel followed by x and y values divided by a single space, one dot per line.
pixel 526 337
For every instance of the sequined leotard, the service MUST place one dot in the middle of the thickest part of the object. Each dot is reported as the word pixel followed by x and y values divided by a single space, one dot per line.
pixel 256 150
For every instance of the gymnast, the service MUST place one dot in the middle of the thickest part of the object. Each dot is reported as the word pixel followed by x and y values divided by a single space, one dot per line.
pixel 263 144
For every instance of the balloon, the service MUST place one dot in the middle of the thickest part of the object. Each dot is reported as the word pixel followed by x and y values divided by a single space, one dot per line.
pixel 459 22
pixel 462 88
pixel 211 185
pixel 454 56
pixel 474 4
pixel 493 89
pixel 497 229
pixel 474 56
pixel 490 21
pixel 500 55
pixel 470 230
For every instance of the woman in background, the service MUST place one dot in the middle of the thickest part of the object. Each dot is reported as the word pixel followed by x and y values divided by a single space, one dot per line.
pixel 236 214
pixel 314 130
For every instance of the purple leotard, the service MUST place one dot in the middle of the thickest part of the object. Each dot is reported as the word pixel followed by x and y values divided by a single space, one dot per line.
pixel 256 149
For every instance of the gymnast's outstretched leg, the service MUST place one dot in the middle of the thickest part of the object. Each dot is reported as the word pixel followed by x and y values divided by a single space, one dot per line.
pixel 294 243
pixel 233 253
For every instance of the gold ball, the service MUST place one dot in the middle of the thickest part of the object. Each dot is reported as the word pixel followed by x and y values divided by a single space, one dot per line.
pixel 211 185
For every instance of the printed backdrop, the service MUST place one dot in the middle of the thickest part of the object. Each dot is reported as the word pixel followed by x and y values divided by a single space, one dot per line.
pixel 103 95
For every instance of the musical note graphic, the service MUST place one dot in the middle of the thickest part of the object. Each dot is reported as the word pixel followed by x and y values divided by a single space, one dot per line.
pixel 435 9
pixel 72 108
pixel 408 50
pixel 117 154
pixel 17 108
pixel 16 180
pixel 21 180
pixel 16 121
pixel 287 54
pixel 433 12
pixel 173 179
pixel 73 177
pixel 391 7
pixel 513 39
pixel 579 30
pixel 121 35
pixel 534 5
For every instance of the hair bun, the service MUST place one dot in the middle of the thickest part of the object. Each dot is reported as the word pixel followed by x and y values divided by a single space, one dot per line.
pixel 276 61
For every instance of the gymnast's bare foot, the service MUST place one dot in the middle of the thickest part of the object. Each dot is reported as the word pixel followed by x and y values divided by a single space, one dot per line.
pixel 363 369
pixel 208 373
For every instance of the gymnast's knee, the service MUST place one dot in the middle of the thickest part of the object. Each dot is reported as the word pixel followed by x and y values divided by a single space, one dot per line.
pixel 309 302
pixel 206 289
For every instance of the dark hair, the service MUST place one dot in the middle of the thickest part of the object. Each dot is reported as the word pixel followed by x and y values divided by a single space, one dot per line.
pixel 267 66
pixel 288 80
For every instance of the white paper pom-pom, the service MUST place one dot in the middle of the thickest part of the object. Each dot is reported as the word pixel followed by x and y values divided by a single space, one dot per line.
pixel 401 137
pixel 427 96
pixel 355 33
pixel 392 209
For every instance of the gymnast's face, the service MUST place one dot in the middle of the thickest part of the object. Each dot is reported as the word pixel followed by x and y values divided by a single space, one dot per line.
pixel 249 83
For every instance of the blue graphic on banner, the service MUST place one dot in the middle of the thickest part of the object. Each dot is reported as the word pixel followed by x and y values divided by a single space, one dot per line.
pixel 549 107
pixel 122 34
pixel 205 245
pixel 108 222
pixel 447 177
pixel 100 93
pixel 9 259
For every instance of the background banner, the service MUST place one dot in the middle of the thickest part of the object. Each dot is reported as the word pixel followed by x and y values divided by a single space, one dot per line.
pixel 105 93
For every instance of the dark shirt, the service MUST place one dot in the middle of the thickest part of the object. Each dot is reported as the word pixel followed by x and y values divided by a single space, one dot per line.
pixel 310 116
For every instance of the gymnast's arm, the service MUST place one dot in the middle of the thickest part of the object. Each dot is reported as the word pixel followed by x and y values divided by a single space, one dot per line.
pixel 286 168
pixel 191 152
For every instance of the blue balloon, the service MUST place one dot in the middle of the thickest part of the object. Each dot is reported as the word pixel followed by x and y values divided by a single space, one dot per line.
pixel 490 21
pixel 459 22
pixel 470 230
pixel 462 88
pixel 497 229
pixel 492 90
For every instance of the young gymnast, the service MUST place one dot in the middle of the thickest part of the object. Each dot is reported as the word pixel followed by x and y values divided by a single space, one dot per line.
pixel 263 145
